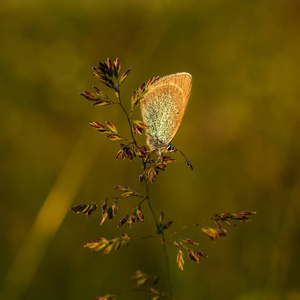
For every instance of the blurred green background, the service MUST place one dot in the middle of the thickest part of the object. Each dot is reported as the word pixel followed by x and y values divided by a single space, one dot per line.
pixel 240 131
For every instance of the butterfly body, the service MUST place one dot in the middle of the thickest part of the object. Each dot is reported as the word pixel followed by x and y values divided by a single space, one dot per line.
pixel 163 108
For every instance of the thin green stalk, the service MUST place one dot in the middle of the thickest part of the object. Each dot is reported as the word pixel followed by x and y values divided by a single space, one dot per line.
pixel 167 264
pixel 139 290
pixel 149 203
pixel 183 228
pixel 162 241
pixel 128 119
pixel 150 207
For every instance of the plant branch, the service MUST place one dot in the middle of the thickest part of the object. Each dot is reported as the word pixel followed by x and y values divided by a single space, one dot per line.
pixel 182 228
pixel 162 240
pixel 167 264
pixel 128 119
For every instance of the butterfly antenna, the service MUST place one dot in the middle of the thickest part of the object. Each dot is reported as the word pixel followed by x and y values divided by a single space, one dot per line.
pixel 187 161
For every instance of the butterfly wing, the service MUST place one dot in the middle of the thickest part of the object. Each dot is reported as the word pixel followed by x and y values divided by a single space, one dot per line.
pixel 163 108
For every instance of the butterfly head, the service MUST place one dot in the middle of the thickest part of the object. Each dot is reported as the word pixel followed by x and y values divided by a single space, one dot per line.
pixel 159 146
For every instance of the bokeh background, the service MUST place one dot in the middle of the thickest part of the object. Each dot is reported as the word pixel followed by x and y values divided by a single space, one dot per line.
pixel 240 131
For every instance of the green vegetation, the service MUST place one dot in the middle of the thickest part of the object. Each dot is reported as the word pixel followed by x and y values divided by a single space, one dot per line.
pixel 240 131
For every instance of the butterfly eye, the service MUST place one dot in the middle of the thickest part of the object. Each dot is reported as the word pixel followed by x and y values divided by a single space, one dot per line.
pixel 170 147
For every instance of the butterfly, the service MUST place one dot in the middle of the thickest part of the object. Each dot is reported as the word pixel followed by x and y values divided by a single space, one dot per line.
pixel 163 107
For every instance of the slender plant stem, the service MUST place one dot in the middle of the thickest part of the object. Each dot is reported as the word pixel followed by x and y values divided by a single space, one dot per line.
pixel 128 119
pixel 150 207
pixel 182 228
pixel 162 241
pixel 139 290
pixel 167 264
